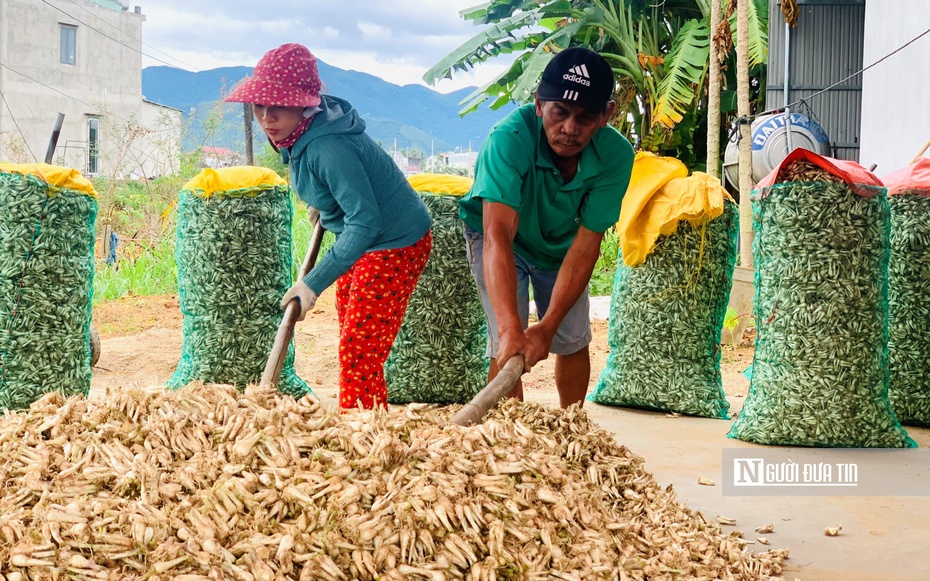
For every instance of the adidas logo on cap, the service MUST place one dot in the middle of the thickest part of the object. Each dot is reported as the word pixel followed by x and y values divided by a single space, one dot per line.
pixel 578 74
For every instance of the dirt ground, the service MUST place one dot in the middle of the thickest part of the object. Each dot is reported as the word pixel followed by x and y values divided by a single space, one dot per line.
pixel 141 343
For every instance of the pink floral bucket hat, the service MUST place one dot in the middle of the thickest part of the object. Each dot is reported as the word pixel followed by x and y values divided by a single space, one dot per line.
pixel 285 77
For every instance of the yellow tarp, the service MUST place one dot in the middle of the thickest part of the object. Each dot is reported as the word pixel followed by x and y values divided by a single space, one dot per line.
pixel 437 183
pixel 661 194
pixel 55 176
pixel 210 181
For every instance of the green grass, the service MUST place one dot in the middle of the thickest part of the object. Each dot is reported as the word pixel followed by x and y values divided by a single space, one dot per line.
pixel 302 233
pixel 144 218
pixel 152 272
pixel 142 215
pixel 134 209
pixel 602 279
pixel 732 317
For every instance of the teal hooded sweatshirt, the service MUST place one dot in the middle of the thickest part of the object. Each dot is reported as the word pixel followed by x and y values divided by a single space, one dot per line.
pixel 362 196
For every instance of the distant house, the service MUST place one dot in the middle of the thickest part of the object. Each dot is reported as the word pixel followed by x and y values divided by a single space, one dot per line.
pixel 434 161
pixel 399 158
pixel 83 59
pixel 462 160
pixel 408 165
pixel 220 157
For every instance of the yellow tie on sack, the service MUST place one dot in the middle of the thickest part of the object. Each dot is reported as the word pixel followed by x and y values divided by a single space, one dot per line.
pixel 439 184
pixel 210 181
pixel 661 194
pixel 55 176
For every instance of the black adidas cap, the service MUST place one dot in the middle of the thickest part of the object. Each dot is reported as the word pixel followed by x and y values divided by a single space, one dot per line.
pixel 577 75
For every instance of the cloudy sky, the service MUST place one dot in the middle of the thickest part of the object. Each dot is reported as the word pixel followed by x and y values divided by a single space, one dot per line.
pixel 397 40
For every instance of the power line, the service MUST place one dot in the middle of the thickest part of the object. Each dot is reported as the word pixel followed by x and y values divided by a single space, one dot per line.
pixel 841 81
pixel 21 134
pixel 78 100
pixel 72 97
pixel 79 4
pixel 129 146
pixel 130 47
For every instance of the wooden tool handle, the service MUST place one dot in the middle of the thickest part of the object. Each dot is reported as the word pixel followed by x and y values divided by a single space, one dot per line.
pixel 286 329
pixel 500 386
pixel 279 348
pixel 921 152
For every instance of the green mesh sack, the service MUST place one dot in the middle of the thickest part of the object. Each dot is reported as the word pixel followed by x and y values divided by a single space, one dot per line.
pixel 233 253
pixel 439 353
pixel 909 307
pixel 666 316
pixel 47 219
pixel 820 370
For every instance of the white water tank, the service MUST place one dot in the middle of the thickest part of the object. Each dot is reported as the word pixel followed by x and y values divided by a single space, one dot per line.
pixel 770 144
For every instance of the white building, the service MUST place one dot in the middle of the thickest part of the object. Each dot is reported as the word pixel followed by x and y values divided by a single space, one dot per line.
pixel 464 160
pixel 878 117
pixel 895 115
pixel 81 58
pixel 220 157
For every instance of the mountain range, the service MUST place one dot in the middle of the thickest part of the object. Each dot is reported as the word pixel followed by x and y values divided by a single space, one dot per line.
pixel 413 115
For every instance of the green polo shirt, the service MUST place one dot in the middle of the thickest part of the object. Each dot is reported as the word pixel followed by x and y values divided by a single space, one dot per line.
pixel 514 167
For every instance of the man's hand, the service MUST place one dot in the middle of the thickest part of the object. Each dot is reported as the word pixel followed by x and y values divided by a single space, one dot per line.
pixel 538 343
pixel 306 298
pixel 512 342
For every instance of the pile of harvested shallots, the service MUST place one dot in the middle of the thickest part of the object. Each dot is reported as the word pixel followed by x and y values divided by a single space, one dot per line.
pixel 209 483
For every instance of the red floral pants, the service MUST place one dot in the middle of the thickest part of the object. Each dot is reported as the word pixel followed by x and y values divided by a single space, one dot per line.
pixel 371 299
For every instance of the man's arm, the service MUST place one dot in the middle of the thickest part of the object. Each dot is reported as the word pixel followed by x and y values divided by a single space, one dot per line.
pixel 573 277
pixel 500 274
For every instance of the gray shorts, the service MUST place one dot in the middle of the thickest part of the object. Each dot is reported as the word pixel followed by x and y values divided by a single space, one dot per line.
pixel 573 334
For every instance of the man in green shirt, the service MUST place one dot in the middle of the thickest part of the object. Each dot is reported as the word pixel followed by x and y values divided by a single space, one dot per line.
pixel 548 183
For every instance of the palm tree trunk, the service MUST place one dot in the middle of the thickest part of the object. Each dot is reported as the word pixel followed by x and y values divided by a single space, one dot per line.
pixel 745 142
pixel 713 96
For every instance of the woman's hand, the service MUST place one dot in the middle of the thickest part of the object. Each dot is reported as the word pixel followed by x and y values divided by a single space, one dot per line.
pixel 305 296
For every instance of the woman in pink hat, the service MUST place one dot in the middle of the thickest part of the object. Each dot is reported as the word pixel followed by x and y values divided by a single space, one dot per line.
pixel 382 228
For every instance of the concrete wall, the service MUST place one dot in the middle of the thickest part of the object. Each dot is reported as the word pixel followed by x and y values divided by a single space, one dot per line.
pixel 105 83
pixel 895 111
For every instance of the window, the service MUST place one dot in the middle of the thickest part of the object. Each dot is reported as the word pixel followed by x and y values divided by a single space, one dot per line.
pixel 68 44
pixel 93 145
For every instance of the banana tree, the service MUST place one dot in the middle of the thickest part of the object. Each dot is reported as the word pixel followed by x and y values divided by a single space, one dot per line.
pixel 658 50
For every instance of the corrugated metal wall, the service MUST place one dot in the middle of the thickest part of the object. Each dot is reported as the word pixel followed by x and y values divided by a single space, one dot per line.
pixel 826 46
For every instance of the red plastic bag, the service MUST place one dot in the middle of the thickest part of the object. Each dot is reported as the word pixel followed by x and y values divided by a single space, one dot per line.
pixel 849 171
pixel 914 178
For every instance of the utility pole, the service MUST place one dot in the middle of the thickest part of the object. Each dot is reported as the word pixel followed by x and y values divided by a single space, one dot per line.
pixel 53 142
pixel 247 115
pixel 713 96
pixel 745 139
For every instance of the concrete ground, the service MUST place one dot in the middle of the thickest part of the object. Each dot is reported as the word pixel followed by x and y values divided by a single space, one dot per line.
pixel 882 537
